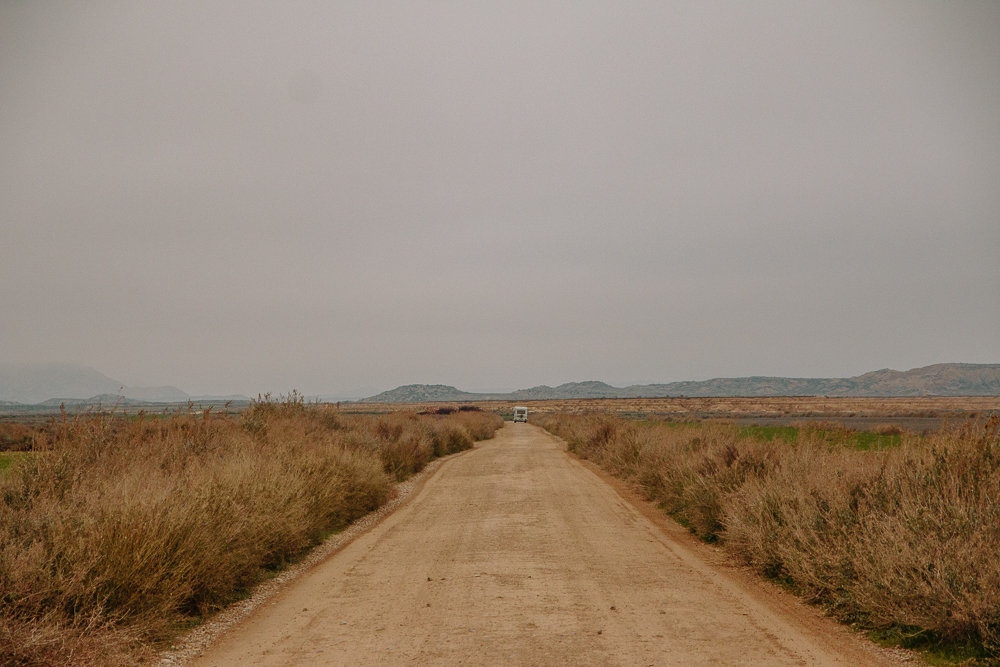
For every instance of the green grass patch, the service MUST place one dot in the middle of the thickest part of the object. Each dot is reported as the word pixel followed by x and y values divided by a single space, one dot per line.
pixel 769 433
pixel 865 441
pixel 862 441
pixel 10 460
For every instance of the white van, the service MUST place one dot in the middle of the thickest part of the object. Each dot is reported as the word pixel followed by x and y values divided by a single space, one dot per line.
pixel 520 414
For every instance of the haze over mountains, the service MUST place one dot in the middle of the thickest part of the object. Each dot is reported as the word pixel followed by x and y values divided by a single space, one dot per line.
pixel 936 380
pixel 32 384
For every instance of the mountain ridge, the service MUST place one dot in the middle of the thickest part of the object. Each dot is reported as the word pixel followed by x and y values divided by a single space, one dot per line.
pixel 45 384
pixel 948 379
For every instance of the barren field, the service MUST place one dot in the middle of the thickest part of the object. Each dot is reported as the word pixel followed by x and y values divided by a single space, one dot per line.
pixel 735 407
pixel 516 553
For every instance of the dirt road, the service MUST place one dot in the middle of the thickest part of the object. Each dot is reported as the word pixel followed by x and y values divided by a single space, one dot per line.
pixel 516 554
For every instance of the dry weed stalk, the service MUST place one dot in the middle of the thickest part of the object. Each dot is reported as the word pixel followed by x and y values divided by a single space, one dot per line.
pixel 117 532
pixel 904 536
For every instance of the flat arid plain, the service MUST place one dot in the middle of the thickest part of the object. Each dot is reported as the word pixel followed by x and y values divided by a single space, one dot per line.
pixel 915 413
pixel 602 532
pixel 728 406
pixel 516 553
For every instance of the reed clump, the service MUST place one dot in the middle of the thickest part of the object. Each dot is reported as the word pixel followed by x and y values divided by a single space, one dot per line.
pixel 118 532
pixel 901 537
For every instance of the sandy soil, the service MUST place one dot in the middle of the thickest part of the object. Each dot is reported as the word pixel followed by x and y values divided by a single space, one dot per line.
pixel 515 553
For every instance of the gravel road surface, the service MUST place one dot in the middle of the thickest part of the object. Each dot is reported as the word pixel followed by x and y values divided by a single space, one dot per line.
pixel 515 553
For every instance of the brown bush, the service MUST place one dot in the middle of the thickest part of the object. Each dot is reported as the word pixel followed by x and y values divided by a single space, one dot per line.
pixel 15 437
pixel 904 536
pixel 122 530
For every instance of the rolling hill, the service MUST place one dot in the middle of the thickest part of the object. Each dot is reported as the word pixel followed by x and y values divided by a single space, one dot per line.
pixel 936 380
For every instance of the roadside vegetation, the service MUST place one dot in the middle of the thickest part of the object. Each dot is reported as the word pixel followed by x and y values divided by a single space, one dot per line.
pixel 892 532
pixel 884 435
pixel 116 533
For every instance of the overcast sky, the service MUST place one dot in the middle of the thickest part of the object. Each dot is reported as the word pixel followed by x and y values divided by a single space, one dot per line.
pixel 349 196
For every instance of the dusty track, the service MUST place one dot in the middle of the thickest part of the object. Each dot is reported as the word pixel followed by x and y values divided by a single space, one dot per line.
pixel 516 554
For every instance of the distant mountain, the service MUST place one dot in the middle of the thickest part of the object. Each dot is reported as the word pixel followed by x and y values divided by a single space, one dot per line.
pixel 936 380
pixel 590 389
pixel 37 383
pixel 34 383
pixel 424 393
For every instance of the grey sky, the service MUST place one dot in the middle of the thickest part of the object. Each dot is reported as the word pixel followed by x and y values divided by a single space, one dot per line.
pixel 249 197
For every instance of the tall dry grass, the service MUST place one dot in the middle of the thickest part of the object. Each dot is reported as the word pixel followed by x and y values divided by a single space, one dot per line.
pixel 15 437
pixel 118 532
pixel 902 537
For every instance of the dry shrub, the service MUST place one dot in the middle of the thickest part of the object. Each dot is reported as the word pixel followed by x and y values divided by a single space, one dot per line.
pixel 26 643
pixel 15 437
pixel 402 443
pixel 480 425
pixel 121 531
pixel 406 442
pixel 899 537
